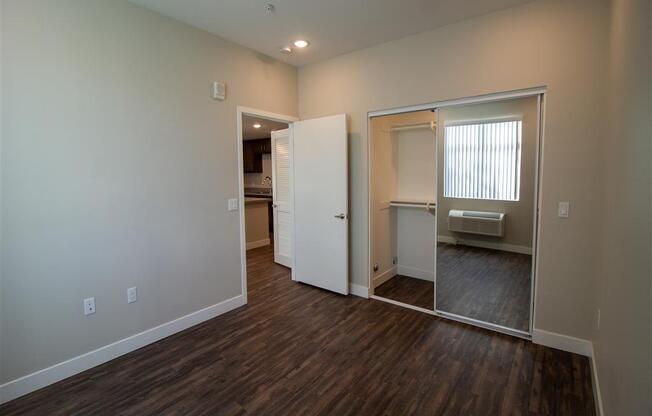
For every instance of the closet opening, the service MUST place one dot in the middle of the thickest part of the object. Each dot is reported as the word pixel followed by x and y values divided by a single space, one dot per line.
pixel 453 208
pixel 403 215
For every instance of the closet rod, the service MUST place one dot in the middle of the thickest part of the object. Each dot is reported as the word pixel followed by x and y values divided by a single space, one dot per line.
pixel 426 205
pixel 414 126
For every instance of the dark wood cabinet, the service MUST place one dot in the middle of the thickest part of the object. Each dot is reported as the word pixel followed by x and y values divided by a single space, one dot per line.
pixel 252 154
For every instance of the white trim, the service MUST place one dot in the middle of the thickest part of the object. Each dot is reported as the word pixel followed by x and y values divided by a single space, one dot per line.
pixel 241 111
pixel 460 101
pixel 39 379
pixel 260 243
pixel 483 324
pixel 416 272
pixel 370 278
pixel 266 114
pixel 405 305
pixel 562 342
pixel 488 120
pixel 485 244
pixel 597 395
pixel 359 290
pixel 383 277
pixel 538 172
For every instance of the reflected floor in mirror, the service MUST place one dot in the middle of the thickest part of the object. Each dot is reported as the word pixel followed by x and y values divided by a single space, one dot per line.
pixel 484 284
pixel 489 285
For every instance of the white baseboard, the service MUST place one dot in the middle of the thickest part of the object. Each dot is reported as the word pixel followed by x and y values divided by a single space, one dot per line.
pixel 259 243
pixel 415 272
pixel 359 290
pixel 597 395
pixel 383 277
pixel 562 342
pixel 485 244
pixel 39 379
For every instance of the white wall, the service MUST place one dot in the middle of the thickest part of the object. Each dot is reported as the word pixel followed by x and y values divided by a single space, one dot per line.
pixel 116 169
pixel 415 228
pixel 557 43
pixel 622 344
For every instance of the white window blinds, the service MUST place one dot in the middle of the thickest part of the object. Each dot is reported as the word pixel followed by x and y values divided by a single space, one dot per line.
pixel 483 160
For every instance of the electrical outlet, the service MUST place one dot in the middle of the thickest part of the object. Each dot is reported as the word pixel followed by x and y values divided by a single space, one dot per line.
pixel 89 306
pixel 132 295
pixel 597 319
pixel 233 204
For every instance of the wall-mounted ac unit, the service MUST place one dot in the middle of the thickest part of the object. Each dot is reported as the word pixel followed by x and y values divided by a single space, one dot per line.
pixel 477 222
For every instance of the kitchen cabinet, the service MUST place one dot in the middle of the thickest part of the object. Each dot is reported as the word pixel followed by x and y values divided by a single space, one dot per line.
pixel 252 154
pixel 257 222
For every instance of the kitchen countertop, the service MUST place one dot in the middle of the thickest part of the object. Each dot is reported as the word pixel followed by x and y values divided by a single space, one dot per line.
pixel 254 200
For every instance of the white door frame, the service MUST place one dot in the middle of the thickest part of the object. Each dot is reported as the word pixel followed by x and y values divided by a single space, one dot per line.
pixel 242 111
pixel 540 93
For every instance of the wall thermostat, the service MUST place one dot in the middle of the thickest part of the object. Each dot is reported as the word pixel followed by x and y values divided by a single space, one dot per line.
pixel 219 91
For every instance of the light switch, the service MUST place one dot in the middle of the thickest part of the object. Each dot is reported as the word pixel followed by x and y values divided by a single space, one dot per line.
pixel 564 209
pixel 233 204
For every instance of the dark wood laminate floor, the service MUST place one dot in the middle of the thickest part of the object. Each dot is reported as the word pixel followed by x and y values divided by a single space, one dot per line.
pixel 489 285
pixel 408 290
pixel 298 350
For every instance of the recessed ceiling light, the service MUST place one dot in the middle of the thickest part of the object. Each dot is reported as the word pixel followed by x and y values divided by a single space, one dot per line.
pixel 258 125
pixel 301 43
pixel 286 50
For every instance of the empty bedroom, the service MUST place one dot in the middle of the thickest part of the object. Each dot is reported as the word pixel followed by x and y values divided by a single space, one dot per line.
pixel 346 207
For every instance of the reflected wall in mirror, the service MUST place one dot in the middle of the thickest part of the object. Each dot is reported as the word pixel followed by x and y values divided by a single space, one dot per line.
pixel 486 196
pixel 402 202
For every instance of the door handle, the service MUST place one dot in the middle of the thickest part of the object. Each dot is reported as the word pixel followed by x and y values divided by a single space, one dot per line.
pixel 340 216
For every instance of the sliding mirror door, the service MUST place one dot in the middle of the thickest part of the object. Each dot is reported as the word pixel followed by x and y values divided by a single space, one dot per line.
pixel 402 208
pixel 487 163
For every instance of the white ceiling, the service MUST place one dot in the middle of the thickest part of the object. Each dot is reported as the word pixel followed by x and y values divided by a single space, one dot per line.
pixel 333 27
pixel 265 130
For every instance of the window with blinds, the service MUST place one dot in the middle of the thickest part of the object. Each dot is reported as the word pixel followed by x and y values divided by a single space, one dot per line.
pixel 482 160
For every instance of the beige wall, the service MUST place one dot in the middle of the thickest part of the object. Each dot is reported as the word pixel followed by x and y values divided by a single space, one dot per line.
pixel 256 221
pixel 116 170
pixel 557 43
pixel 519 214
pixel 622 343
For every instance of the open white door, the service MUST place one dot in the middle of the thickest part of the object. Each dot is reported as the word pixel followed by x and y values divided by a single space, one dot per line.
pixel 282 197
pixel 321 243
